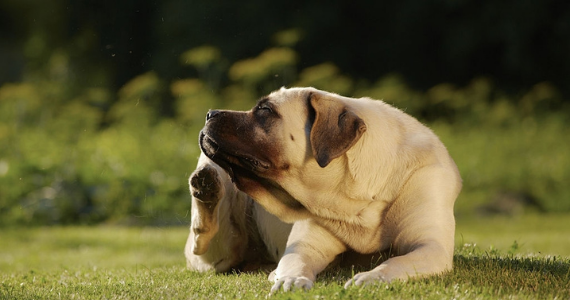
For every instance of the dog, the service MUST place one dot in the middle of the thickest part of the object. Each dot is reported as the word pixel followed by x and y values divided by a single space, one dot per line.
pixel 348 174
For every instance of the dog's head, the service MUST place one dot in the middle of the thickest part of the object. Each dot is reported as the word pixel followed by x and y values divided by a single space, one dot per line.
pixel 289 134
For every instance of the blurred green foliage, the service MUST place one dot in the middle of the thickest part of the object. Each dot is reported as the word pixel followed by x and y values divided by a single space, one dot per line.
pixel 90 155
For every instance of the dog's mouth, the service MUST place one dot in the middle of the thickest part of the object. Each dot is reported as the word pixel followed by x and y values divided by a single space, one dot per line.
pixel 231 160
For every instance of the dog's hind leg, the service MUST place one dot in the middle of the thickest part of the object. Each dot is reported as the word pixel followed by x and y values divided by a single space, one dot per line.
pixel 222 232
pixel 207 191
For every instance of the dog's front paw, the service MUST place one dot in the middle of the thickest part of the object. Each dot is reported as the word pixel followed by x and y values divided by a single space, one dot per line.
pixel 271 276
pixel 366 278
pixel 291 282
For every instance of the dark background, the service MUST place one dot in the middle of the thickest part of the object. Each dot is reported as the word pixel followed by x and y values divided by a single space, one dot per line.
pixel 515 43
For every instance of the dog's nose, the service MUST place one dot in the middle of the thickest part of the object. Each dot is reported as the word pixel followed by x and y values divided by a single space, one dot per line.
pixel 211 114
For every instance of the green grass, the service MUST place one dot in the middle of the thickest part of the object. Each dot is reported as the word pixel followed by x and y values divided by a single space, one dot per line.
pixel 93 248
pixel 148 263
pixel 542 234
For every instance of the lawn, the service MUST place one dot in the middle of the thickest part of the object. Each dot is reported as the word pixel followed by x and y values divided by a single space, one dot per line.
pixel 525 257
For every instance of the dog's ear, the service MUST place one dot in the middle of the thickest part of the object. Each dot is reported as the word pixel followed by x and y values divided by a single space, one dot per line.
pixel 335 128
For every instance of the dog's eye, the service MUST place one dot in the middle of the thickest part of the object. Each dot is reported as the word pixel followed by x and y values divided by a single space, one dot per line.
pixel 264 107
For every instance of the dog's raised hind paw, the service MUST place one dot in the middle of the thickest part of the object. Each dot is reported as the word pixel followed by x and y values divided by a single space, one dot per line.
pixel 206 186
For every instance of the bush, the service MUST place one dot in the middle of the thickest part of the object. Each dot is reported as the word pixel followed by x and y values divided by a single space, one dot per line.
pixel 92 156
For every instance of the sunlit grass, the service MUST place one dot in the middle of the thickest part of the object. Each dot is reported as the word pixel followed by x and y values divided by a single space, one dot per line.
pixel 541 234
pixel 148 263
pixel 103 247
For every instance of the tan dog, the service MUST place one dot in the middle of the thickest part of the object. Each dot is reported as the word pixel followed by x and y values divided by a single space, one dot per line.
pixel 350 174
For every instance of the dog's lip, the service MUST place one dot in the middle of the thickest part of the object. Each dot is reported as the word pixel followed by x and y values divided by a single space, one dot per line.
pixel 231 158
pixel 253 163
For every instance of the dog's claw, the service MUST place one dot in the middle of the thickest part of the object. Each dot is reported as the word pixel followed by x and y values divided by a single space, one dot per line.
pixel 290 283
pixel 365 278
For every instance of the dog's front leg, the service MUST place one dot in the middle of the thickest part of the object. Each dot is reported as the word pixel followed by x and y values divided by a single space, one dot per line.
pixel 310 248
pixel 428 259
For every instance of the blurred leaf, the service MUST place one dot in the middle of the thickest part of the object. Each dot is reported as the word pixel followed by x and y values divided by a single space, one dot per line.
pixel 393 90
pixel 201 57
pixel 138 100
pixel 238 97
pixel 288 38
pixel 327 77
pixel 193 100
pixel 540 98
pixel 253 70
pixel 19 103
pixel 141 87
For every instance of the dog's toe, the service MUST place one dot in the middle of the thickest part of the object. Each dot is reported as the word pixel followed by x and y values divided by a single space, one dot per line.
pixel 289 283
pixel 366 278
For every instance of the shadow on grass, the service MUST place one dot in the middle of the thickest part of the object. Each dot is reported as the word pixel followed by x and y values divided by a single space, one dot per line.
pixel 485 274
